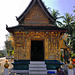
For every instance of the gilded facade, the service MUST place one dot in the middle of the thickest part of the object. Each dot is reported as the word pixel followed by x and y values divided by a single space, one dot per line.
pixel 23 44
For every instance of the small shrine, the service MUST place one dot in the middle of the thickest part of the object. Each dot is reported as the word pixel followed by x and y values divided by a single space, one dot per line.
pixel 36 38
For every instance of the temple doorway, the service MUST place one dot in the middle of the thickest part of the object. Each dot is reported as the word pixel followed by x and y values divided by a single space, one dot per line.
pixel 37 50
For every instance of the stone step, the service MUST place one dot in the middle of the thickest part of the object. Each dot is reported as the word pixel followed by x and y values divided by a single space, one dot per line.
pixel 38 72
pixel 37 66
pixel 37 69
pixel 37 62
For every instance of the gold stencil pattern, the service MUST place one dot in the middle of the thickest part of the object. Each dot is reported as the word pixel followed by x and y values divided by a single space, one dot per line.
pixel 22 41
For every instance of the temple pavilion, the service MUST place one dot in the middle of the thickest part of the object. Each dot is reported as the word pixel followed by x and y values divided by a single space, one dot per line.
pixel 36 38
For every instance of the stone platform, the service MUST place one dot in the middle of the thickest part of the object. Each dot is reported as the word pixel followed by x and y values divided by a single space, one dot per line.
pixel 35 68
pixel 24 72
pixel 29 74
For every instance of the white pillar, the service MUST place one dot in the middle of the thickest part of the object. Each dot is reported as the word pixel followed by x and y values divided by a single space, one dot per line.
pixel 6 71
pixel 70 72
pixel 0 71
pixel 74 70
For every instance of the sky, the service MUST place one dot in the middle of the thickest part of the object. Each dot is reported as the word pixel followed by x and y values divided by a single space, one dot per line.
pixel 11 8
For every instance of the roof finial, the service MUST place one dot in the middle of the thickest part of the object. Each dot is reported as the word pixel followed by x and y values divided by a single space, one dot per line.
pixel 6 26
pixel 16 17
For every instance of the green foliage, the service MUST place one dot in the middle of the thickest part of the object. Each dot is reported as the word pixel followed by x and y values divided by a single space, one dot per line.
pixel 61 57
pixel 73 55
pixel 69 22
pixel 8 45
pixel 56 15
pixel 10 52
pixel 1 54
pixel 73 10
pixel 13 52
pixel 68 18
pixel 73 33
pixel 73 44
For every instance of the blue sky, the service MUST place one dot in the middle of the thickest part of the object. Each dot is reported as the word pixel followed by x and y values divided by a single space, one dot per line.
pixel 62 5
pixel 11 8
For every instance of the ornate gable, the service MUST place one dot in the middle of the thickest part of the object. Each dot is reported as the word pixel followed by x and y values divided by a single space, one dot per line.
pixel 36 15
pixel 36 12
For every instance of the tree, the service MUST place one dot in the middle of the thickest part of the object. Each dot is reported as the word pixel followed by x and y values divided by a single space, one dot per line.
pixel 56 15
pixel 74 9
pixel 73 44
pixel 8 45
pixel 68 20
pixel 69 24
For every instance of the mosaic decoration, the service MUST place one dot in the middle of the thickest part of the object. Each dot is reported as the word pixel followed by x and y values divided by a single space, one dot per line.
pixel 23 44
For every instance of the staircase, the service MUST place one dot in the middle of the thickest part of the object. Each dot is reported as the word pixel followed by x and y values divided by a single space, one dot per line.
pixel 37 67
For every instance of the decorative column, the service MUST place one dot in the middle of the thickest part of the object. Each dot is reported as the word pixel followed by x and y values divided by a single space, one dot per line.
pixel 74 70
pixel 70 70
pixel 0 68
pixel 46 48
pixel 6 70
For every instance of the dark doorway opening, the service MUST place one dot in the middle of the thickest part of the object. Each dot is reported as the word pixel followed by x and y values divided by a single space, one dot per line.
pixel 37 51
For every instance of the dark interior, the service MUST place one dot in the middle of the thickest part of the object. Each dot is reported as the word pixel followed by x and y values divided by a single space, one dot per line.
pixel 37 51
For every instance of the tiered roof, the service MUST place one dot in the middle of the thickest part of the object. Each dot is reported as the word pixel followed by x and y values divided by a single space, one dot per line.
pixel 36 27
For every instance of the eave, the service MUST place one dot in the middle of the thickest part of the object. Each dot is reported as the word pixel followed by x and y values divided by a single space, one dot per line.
pixel 36 28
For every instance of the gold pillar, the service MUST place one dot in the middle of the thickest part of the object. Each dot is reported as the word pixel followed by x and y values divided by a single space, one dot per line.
pixel 46 48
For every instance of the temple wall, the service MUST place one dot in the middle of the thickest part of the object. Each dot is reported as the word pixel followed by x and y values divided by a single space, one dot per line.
pixel 21 51
pixel 23 44
pixel 36 15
